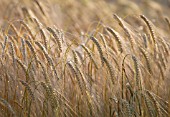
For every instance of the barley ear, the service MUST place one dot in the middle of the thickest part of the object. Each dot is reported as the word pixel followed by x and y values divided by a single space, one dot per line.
pixel 136 66
pixel 148 105
pixel 98 48
pixel 146 56
pixel 28 29
pixel 32 50
pixel 168 22
pixel 126 30
pixel 70 64
pixel 75 57
pixel 57 38
pixel 117 37
pixel 150 28
pixel 90 55
pixel 127 108
pixel 110 68
pixel 28 88
pixel 156 104
pixel 12 53
pixel 5 103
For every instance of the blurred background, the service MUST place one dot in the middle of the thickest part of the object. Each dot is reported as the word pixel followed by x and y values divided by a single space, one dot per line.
pixel 77 15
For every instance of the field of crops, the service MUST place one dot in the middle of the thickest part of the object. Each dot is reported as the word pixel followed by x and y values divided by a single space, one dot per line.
pixel 84 58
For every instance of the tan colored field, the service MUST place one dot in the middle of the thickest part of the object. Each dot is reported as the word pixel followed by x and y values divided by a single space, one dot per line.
pixel 84 58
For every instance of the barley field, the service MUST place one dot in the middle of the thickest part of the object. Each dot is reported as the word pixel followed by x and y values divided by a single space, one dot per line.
pixel 84 58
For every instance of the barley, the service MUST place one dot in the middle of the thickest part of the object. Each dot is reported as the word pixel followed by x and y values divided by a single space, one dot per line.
pixel 156 104
pixel 12 52
pixel 144 37
pixel 161 70
pixel 4 45
pixel 37 22
pixel 76 74
pixel 1 45
pixel 28 89
pixel 44 37
pixel 4 102
pixel 22 65
pixel 82 75
pixel 75 57
pixel 125 29
pixel 145 54
pixel 136 66
pixel 23 49
pixel 44 73
pixel 40 7
pixel 32 50
pixel 14 29
pixel 90 55
pixel 162 60
pixel 150 28
pixel 149 105
pixel 41 31
pixel 117 37
pixel 51 96
pixel 57 38
pixel 127 107
pixel 98 48
pixel 60 33
pixel 49 59
pixel 103 40
pixel 80 56
pixel 168 22
pixel 111 71
pixel 28 29
pixel 26 12
pixel 165 46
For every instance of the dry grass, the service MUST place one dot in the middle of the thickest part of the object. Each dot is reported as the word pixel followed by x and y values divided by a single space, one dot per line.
pixel 57 62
